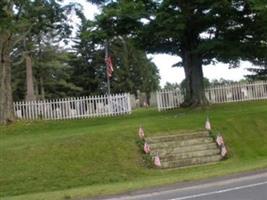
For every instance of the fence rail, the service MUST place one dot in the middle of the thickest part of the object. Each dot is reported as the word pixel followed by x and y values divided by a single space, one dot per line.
pixel 73 108
pixel 220 94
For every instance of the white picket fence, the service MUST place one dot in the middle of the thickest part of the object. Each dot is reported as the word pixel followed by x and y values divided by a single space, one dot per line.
pixel 168 99
pixel 237 92
pixel 73 108
pixel 221 94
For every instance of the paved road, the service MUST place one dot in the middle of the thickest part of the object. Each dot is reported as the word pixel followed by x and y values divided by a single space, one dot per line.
pixel 248 187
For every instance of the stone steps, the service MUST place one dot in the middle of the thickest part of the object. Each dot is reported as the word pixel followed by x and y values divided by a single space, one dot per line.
pixel 177 150
pixel 191 161
pixel 192 154
pixel 180 136
pixel 182 150
pixel 181 143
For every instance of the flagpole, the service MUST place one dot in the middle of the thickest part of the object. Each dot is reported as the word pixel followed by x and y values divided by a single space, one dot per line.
pixel 106 57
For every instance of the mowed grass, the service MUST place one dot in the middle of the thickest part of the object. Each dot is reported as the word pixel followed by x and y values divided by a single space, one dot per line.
pixel 90 157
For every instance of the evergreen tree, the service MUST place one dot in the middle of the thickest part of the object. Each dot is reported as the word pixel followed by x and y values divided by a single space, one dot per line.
pixel 87 60
pixel 19 19
pixel 53 73
pixel 10 26
pixel 132 69
pixel 48 22
pixel 171 86
pixel 259 72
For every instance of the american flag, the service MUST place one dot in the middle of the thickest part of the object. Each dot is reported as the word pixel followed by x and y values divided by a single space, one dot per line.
pixel 219 140
pixel 146 148
pixel 141 133
pixel 208 125
pixel 109 66
pixel 223 151
pixel 157 161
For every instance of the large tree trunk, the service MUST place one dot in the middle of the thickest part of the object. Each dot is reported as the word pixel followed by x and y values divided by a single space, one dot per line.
pixel 192 63
pixel 29 77
pixel 194 91
pixel 6 101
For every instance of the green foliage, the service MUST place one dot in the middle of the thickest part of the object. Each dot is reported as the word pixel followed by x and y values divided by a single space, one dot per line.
pixel 201 32
pixel 57 73
pixel 31 25
pixel 87 61
pixel 100 156
pixel 258 72
pixel 222 29
pixel 52 74
pixel 221 81
pixel 132 69
pixel 171 86
pixel 147 160
pixel 34 26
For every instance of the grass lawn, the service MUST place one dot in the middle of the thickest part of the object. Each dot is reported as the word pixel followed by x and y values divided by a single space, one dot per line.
pixel 84 158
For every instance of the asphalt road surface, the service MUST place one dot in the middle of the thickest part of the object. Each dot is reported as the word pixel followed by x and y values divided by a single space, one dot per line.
pixel 246 187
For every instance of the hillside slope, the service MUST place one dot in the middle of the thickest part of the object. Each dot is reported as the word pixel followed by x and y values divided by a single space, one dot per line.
pixel 101 156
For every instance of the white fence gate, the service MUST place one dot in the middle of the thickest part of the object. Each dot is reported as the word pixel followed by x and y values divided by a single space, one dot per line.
pixel 221 94
pixel 72 108
pixel 168 99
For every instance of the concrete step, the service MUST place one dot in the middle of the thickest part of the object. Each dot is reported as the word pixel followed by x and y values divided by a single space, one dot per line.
pixel 180 136
pixel 181 143
pixel 184 149
pixel 187 155
pixel 178 150
pixel 191 161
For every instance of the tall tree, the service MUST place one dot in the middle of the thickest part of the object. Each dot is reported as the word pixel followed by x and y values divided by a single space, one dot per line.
pixel 87 60
pixel 201 32
pixel 9 37
pixel 133 70
pixel 51 71
pixel 48 21
pixel 18 18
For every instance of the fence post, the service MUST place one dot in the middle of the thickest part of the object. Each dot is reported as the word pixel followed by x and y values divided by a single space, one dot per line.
pixel 129 103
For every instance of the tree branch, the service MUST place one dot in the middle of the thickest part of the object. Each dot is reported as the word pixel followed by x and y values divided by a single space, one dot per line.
pixel 19 38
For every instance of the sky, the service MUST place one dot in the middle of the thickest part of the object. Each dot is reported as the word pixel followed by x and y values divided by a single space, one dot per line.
pixel 176 75
pixel 164 62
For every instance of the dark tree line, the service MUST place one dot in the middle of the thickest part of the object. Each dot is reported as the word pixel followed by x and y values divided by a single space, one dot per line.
pixel 35 65
pixel 22 24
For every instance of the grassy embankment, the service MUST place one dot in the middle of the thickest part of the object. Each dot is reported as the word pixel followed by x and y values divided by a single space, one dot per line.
pixel 70 159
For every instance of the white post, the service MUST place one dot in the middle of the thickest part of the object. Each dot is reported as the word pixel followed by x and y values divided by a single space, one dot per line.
pixel 129 103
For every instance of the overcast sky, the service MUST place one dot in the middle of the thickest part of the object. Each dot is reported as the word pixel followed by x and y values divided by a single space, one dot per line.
pixel 164 62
